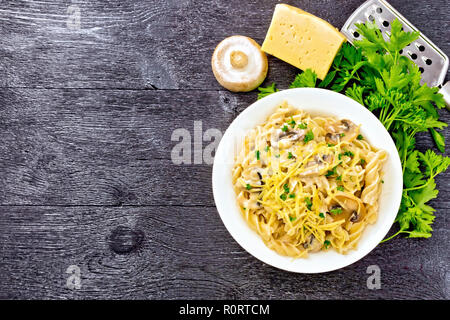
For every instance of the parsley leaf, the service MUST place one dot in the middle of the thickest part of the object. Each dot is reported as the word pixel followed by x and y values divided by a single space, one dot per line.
pixel 412 163
pixel 434 163
pixel 439 139
pixel 307 79
pixel 265 91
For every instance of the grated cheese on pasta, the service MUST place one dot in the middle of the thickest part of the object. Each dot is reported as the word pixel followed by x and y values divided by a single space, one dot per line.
pixel 306 184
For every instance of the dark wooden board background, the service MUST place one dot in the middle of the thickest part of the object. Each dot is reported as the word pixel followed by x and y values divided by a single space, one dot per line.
pixel 86 177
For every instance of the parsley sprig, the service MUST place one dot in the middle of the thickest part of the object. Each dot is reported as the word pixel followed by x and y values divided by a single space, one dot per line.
pixel 375 74
pixel 265 91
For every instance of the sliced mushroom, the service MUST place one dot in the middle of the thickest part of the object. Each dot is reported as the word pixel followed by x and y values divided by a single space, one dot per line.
pixel 327 158
pixel 284 140
pixel 312 244
pixel 316 166
pixel 346 125
pixel 343 130
pixel 354 216
pixel 253 175
pixel 293 135
pixel 260 178
pixel 352 207
pixel 249 200
pixel 332 138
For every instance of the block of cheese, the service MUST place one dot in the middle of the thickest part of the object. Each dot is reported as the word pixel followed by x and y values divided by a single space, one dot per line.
pixel 302 39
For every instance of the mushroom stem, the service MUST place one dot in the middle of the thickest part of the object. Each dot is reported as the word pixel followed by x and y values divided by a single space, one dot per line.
pixel 238 59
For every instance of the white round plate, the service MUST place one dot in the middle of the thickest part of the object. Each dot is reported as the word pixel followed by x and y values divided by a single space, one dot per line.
pixel 316 102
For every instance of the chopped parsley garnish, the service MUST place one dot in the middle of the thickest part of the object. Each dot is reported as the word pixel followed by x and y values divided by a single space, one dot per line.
pixel 267 149
pixel 342 135
pixel 362 161
pixel 336 211
pixel 326 244
pixel 290 156
pixel 248 186
pixel 321 215
pixel 333 171
pixel 308 136
pixel 286 188
pixel 303 125
pixel 292 218
pixel 257 154
pixel 330 173
pixel 292 122
pixel 330 145
pixel 359 137
pixel 292 195
pixel 283 196
pixel 285 128
pixel 349 154
pixel 340 156
pixel 308 203
pixel 340 188
pixel 339 178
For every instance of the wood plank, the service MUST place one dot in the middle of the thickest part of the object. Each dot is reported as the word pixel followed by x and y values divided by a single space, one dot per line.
pixel 72 147
pixel 154 44
pixel 186 253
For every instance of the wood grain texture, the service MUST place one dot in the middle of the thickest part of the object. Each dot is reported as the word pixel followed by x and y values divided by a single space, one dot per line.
pixel 185 252
pixel 85 147
pixel 86 123
pixel 156 44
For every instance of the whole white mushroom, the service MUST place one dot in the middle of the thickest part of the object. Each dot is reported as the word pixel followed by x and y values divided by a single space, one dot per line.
pixel 238 64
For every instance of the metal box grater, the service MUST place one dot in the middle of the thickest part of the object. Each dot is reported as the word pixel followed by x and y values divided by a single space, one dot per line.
pixel 432 61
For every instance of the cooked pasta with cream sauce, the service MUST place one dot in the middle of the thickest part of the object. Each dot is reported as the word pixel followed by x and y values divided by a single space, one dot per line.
pixel 306 184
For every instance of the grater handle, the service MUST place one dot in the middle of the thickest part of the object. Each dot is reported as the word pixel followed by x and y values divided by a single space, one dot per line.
pixel 445 90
